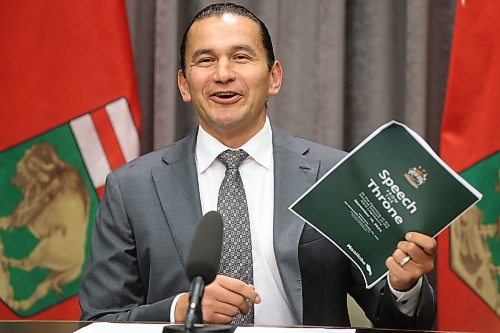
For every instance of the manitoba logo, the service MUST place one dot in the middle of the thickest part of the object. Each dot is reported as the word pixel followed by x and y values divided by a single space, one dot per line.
pixel 50 189
pixel 416 176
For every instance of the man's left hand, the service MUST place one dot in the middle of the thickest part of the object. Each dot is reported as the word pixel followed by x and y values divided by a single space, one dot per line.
pixel 421 250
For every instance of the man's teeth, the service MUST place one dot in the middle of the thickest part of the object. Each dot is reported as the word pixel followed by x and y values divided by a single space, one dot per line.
pixel 225 95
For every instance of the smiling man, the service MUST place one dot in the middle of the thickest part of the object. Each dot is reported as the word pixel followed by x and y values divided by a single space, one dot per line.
pixel 274 269
pixel 227 77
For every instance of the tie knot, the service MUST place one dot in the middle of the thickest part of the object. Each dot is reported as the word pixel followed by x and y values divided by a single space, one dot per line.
pixel 232 158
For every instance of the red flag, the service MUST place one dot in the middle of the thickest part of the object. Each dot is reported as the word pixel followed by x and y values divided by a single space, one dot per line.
pixel 69 103
pixel 469 253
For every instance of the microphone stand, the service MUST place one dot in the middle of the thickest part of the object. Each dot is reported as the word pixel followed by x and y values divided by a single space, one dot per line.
pixel 194 314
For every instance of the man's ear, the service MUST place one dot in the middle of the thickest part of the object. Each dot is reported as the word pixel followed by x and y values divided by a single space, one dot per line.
pixel 276 78
pixel 183 86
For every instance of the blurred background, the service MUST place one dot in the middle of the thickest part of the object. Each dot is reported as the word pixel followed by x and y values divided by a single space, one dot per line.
pixel 349 66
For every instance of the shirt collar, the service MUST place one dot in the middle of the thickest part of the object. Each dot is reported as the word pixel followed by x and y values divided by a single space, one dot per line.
pixel 259 148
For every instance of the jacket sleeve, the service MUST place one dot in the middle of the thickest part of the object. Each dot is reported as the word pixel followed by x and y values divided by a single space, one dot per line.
pixel 112 288
pixel 380 306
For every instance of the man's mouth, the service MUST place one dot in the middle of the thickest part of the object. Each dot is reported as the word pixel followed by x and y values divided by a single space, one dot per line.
pixel 225 97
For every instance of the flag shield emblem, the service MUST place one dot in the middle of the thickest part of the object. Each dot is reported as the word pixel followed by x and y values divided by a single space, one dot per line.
pixel 474 240
pixel 46 212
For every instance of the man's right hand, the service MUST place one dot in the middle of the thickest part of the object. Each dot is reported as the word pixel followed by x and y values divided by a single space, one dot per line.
pixel 222 300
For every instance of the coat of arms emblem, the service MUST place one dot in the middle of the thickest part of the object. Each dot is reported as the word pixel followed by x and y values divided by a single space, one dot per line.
pixel 416 176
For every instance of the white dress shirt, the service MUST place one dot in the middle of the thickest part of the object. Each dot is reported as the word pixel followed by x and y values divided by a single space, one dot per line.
pixel 257 174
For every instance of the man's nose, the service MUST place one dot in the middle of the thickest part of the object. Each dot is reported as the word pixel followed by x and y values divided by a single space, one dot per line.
pixel 224 71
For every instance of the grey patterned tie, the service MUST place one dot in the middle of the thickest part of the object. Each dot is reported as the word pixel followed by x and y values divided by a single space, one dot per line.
pixel 236 258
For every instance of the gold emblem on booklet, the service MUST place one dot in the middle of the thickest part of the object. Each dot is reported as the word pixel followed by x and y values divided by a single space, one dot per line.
pixel 416 176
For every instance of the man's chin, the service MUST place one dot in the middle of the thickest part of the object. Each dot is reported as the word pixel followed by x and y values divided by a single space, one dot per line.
pixel 227 119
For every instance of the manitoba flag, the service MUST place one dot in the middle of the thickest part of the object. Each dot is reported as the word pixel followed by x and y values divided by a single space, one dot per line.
pixel 468 274
pixel 69 115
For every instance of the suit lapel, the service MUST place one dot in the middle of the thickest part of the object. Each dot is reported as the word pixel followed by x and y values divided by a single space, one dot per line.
pixel 293 175
pixel 177 186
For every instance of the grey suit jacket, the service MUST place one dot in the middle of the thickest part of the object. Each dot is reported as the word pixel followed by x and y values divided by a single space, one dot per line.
pixel 148 216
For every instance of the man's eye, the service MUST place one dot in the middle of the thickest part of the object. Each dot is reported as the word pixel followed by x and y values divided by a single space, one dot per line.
pixel 241 57
pixel 204 61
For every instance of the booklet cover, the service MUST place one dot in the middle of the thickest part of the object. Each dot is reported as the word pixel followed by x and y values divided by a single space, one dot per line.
pixel 390 184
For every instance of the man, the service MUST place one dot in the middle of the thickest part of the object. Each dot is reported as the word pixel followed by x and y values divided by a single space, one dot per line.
pixel 151 206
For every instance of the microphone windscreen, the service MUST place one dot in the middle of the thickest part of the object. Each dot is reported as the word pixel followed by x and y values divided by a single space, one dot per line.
pixel 205 251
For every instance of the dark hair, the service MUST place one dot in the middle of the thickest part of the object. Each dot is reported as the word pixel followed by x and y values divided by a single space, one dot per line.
pixel 219 9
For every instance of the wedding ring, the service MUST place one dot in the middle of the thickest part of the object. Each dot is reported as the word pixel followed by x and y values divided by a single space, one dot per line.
pixel 404 261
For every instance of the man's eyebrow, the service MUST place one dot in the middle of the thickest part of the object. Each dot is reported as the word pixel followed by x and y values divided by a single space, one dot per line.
pixel 200 52
pixel 246 48
pixel 235 48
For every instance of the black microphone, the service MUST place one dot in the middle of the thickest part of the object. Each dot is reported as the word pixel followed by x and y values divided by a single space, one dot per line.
pixel 203 263
pixel 202 266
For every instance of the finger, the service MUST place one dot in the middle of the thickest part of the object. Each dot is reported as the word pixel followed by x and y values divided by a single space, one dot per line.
pixel 225 309
pixel 421 262
pixel 400 257
pixel 218 292
pixel 410 269
pixel 235 300
pixel 240 287
pixel 414 251
pixel 217 318
pixel 394 266
pixel 428 244
pixel 399 254
pixel 400 278
pixel 243 305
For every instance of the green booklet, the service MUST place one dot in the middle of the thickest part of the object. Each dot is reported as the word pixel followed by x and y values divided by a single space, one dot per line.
pixel 390 184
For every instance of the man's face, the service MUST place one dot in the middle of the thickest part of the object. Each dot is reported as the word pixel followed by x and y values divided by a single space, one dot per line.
pixel 227 78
